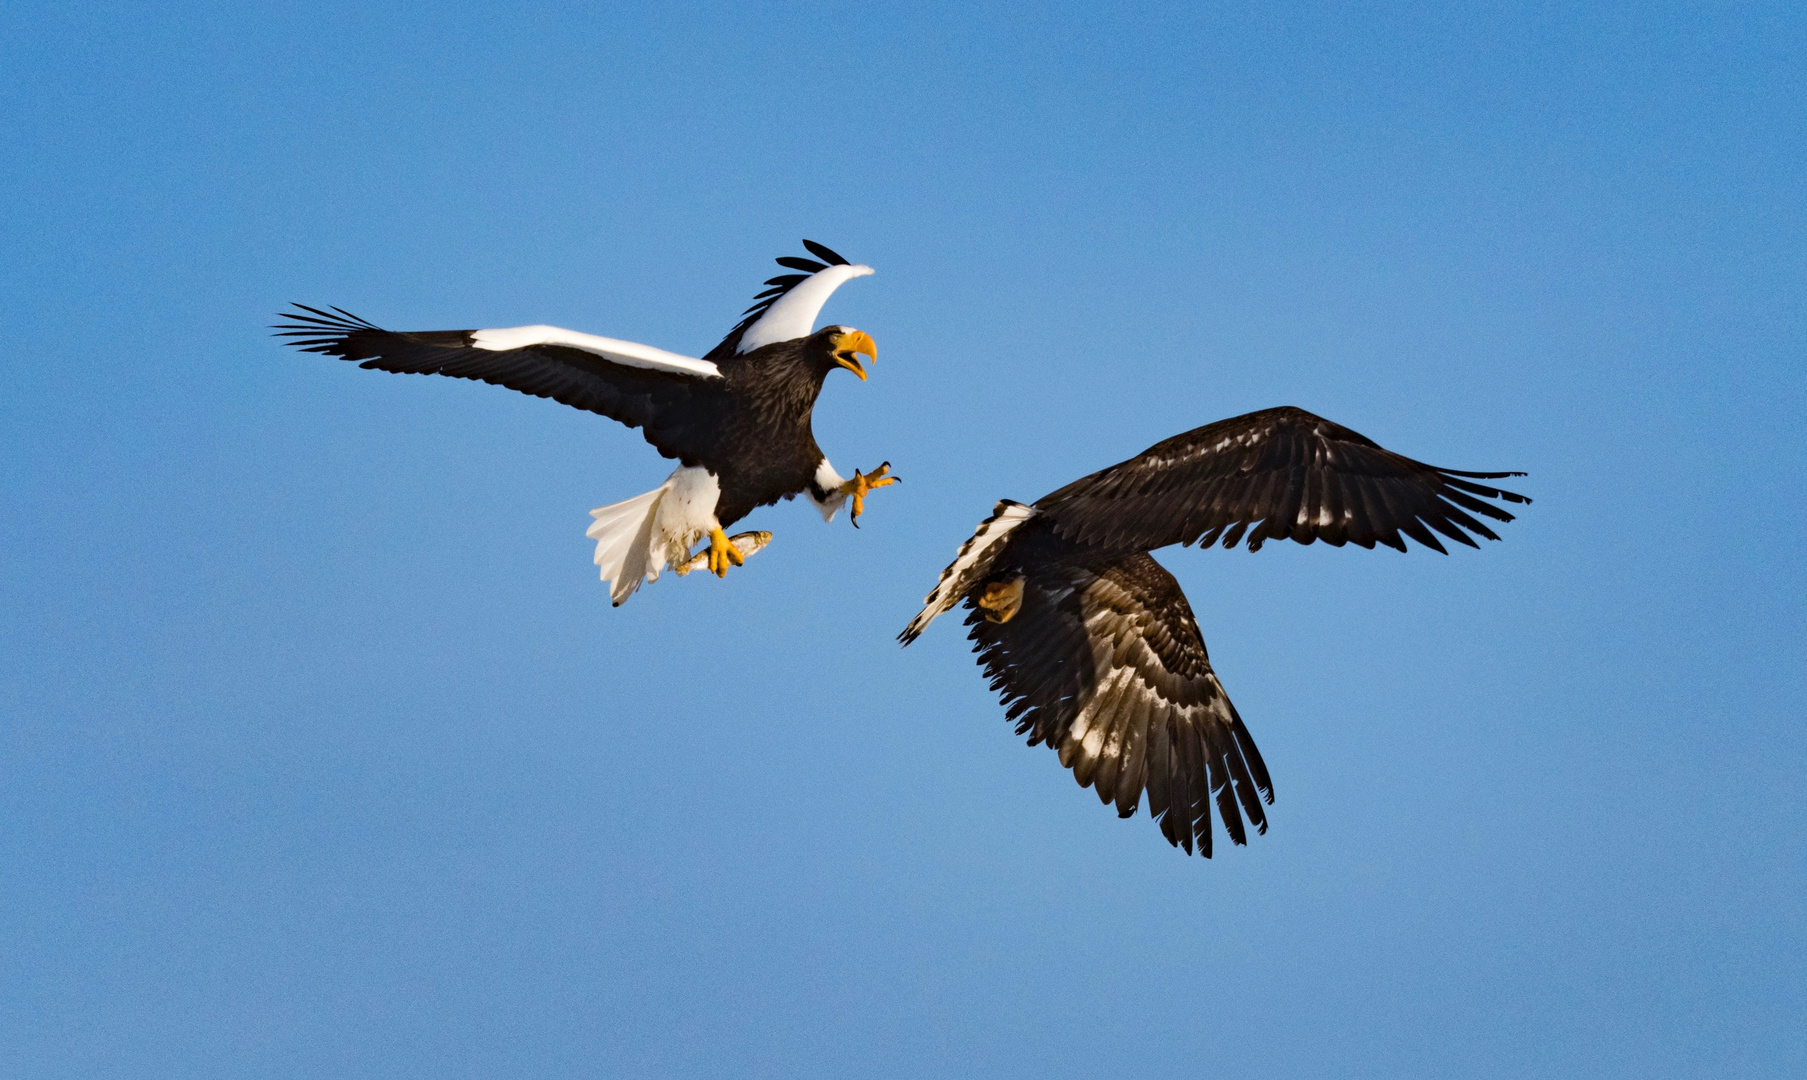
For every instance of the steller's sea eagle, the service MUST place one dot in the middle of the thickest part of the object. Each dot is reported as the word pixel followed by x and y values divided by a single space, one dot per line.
pixel 1090 642
pixel 737 420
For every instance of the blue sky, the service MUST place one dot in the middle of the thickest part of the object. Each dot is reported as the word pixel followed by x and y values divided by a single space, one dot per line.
pixel 322 752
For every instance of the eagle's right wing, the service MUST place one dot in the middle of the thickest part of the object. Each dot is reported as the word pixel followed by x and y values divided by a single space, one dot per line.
pixel 664 394
pixel 787 309
pixel 1105 665
pixel 1275 473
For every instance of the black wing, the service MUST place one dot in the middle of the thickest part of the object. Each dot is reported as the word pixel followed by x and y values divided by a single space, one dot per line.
pixel 775 288
pixel 1284 472
pixel 672 409
pixel 1105 665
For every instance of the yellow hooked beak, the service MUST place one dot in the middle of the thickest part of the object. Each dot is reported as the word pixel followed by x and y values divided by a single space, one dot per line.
pixel 853 342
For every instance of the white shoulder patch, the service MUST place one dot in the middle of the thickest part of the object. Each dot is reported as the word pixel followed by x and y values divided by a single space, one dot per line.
pixel 628 353
pixel 793 315
pixel 971 563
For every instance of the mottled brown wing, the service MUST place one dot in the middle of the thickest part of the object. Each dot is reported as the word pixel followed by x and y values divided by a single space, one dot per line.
pixel 1105 665
pixel 1276 473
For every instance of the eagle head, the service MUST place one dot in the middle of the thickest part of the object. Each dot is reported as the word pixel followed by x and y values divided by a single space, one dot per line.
pixel 840 346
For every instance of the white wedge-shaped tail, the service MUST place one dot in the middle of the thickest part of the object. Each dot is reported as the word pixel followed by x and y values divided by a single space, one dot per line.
pixel 623 535
pixel 637 538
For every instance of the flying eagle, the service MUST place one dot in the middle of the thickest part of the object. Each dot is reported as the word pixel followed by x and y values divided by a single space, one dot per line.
pixel 1091 644
pixel 737 420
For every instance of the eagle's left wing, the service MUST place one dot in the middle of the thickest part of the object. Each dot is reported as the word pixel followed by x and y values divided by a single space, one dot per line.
pixel 1275 473
pixel 970 566
pixel 662 393
pixel 1105 665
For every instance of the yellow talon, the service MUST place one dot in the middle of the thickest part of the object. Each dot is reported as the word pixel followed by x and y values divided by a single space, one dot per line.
pixel 1001 600
pixel 744 544
pixel 722 552
pixel 863 483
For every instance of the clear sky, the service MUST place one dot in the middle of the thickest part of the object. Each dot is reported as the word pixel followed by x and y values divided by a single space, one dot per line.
pixel 323 754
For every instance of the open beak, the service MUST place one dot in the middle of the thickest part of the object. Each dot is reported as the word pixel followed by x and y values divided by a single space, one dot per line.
pixel 848 345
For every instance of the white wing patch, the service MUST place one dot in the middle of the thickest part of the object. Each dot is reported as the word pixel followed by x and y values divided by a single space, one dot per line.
pixel 971 563
pixel 793 315
pixel 628 353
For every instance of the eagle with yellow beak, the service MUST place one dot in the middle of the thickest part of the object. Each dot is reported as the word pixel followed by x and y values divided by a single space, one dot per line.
pixel 1089 641
pixel 737 420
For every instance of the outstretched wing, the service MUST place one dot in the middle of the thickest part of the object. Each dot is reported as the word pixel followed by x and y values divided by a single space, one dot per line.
pixel 1105 665
pixel 787 309
pixel 1275 473
pixel 664 394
